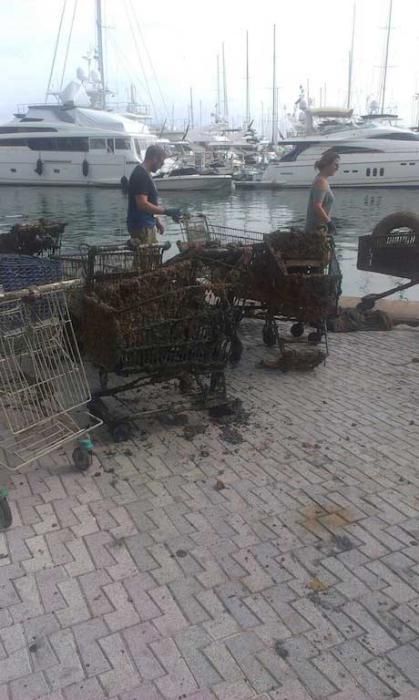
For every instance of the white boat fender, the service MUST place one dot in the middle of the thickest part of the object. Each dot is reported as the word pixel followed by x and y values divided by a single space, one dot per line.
pixel 39 167
pixel 85 168
pixel 124 184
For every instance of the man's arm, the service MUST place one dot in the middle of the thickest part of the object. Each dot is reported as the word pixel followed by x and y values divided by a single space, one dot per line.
pixel 143 204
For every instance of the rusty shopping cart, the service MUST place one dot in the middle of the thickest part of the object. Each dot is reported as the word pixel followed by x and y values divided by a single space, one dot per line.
pixel 287 275
pixel 152 328
pixel 93 262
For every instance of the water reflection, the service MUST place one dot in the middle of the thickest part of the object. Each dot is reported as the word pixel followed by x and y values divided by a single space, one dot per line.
pixel 98 216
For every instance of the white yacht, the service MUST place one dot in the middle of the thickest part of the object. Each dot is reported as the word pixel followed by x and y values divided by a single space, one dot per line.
pixel 70 145
pixel 371 155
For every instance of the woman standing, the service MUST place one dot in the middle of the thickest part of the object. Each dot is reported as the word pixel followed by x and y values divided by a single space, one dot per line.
pixel 321 197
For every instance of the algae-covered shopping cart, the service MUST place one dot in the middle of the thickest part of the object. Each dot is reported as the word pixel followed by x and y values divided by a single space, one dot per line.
pixel 161 325
pixel 287 275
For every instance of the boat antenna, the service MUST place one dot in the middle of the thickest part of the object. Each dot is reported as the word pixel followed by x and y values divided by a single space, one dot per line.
pixel 247 80
pixel 383 94
pixel 274 94
pixel 351 59
pixel 57 41
pixel 100 61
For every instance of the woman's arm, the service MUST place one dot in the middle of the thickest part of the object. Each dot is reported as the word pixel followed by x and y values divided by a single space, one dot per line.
pixel 319 193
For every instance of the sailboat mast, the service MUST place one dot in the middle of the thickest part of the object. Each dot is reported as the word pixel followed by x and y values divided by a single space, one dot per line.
pixel 225 101
pixel 383 94
pixel 191 109
pixel 351 60
pixel 218 110
pixel 247 80
pixel 274 94
pixel 100 50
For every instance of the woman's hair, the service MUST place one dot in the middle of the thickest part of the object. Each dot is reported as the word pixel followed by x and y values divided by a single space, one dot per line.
pixel 326 159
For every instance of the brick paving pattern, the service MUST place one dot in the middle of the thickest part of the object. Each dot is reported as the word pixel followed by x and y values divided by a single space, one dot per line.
pixel 295 578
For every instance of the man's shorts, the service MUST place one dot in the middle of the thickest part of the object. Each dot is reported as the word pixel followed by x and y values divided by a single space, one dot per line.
pixel 147 234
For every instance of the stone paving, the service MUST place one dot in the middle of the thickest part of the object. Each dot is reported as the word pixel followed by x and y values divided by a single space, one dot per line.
pixel 274 557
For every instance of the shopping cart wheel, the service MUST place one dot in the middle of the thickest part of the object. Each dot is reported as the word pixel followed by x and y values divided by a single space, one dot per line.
pixel 297 329
pixel 121 432
pixel 82 458
pixel 269 334
pixel 5 513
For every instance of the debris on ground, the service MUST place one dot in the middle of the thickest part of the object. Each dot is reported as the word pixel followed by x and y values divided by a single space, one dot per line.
pixel 191 431
pixel 317 585
pixel 281 650
pixel 295 359
pixel 219 485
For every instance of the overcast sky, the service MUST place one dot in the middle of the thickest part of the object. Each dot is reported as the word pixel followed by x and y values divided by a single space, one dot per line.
pixel 182 39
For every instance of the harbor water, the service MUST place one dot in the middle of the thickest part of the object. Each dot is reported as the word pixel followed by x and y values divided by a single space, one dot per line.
pixel 97 216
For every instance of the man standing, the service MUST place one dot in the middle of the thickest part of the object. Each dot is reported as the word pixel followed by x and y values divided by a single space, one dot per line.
pixel 143 209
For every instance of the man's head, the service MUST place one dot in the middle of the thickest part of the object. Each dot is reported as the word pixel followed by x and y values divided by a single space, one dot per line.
pixel 154 158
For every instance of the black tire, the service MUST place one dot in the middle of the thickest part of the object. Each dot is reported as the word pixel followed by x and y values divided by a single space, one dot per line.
pixel 85 168
pixel 400 219
pixel 82 458
pixel 121 432
pixel 5 514
pixel 297 329
pixel 268 334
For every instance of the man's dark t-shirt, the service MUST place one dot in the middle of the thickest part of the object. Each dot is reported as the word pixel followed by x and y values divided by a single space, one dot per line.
pixel 140 182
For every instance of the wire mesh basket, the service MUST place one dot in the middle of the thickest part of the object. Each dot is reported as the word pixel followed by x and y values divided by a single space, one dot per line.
pixel 20 271
pixel 42 379
pixel 198 228
pixel 94 263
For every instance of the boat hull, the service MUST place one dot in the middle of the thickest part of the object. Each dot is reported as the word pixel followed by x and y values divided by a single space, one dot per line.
pixel 194 183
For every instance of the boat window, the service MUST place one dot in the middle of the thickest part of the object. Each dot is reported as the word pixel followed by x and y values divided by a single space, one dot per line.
pixel 395 136
pixel 97 144
pixel 355 149
pixel 70 143
pixel 295 152
pixel 381 171
pixel 368 173
pixel 374 172
pixel 110 147
pixel 7 143
pixel 24 130
pixel 123 144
